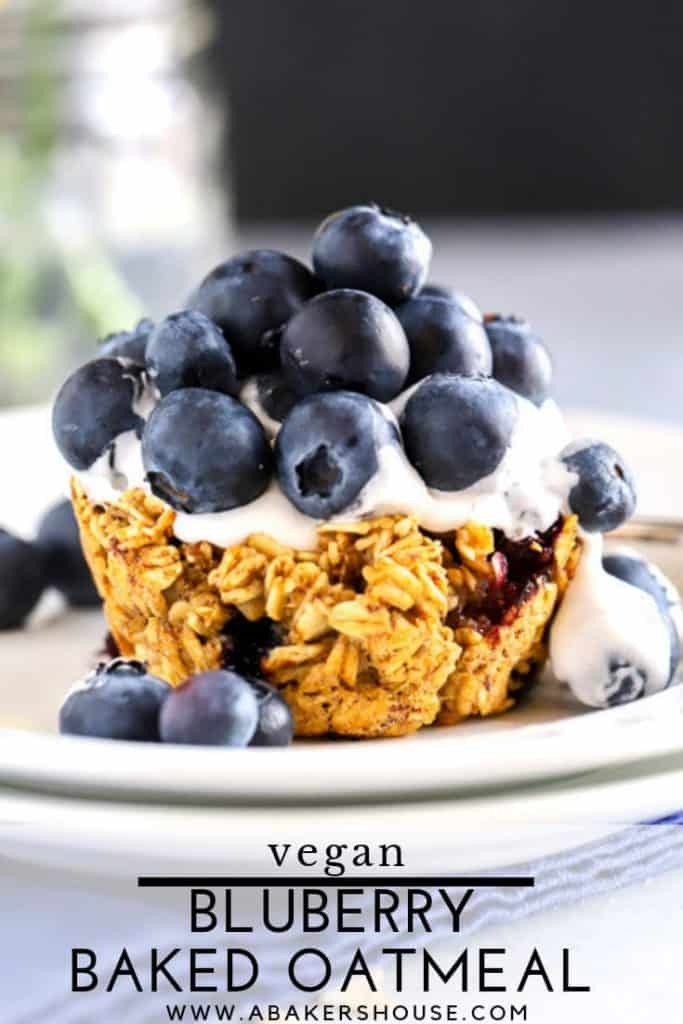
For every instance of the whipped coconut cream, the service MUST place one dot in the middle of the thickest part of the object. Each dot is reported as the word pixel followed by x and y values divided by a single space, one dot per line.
pixel 249 396
pixel 604 621
pixel 271 513
pixel 526 493
pixel 117 470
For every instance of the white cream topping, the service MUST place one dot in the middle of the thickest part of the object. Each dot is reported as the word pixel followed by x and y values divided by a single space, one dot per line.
pixel 526 493
pixel 249 396
pixel 603 620
pixel 271 513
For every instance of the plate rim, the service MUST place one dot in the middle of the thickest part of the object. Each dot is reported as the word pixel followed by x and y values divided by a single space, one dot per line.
pixel 524 753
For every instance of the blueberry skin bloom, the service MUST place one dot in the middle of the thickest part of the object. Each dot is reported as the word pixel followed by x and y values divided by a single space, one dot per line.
pixel 345 340
pixel 94 406
pixel 129 345
pixel 218 709
pixel 21 580
pixel 118 701
pixel 520 359
pixel 65 566
pixel 372 249
pixel 275 724
pixel 442 291
pixel 187 350
pixel 326 451
pixel 604 496
pixel 639 573
pixel 456 429
pixel 443 339
pixel 205 452
pixel 250 297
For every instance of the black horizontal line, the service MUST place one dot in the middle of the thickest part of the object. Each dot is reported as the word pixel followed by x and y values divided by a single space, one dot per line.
pixel 338 882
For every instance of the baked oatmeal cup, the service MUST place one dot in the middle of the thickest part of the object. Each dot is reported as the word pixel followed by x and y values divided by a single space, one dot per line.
pixel 356 491
pixel 379 631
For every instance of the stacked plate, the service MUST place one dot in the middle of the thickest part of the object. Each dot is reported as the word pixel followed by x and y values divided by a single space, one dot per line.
pixel 539 779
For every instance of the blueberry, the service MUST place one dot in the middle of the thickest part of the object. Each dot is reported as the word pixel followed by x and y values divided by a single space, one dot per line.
pixel 218 709
pixel 250 297
pixel 625 683
pixel 276 398
pixel 22 580
pixel 348 340
pixel 187 350
pixel 456 430
pixel 94 406
pixel 443 338
pixel 66 569
pixel 520 359
pixel 373 249
pixel 118 701
pixel 327 450
pixel 604 495
pixel 205 452
pixel 640 574
pixel 275 724
pixel 127 344
pixel 442 291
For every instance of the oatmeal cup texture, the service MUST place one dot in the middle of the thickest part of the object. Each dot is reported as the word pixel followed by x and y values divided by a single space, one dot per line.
pixel 383 628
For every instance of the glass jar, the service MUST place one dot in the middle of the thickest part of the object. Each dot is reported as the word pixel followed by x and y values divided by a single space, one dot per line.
pixel 109 193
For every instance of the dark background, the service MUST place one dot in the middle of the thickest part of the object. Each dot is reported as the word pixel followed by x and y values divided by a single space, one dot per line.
pixel 438 107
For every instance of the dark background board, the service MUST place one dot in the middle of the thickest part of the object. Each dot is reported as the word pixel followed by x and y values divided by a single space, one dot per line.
pixel 445 107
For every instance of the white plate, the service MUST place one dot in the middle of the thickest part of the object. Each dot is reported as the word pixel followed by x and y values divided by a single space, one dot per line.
pixel 475 831
pixel 489 754
pixel 548 737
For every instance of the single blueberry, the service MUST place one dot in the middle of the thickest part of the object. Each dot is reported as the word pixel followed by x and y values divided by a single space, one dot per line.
pixel 94 406
pixel 442 291
pixel 118 701
pixel 626 683
pixel 456 429
pixel 275 724
pixel 187 350
pixel 218 709
pixel 250 297
pixel 346 340
pixel 374 250
pixel 641 574
pixel 520 359
pixel 205 452
pixel 604 495
pixel 276 398
pixel 22 579
pixel 127 344
pixel 443 339
pixel 326 451
pixel 66 569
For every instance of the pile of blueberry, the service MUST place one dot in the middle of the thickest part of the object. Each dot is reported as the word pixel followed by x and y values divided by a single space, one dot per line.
pixel 53 559
pixel 122 701
pixel 324 347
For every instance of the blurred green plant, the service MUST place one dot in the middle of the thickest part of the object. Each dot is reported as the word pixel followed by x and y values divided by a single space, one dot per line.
pixel 55 293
